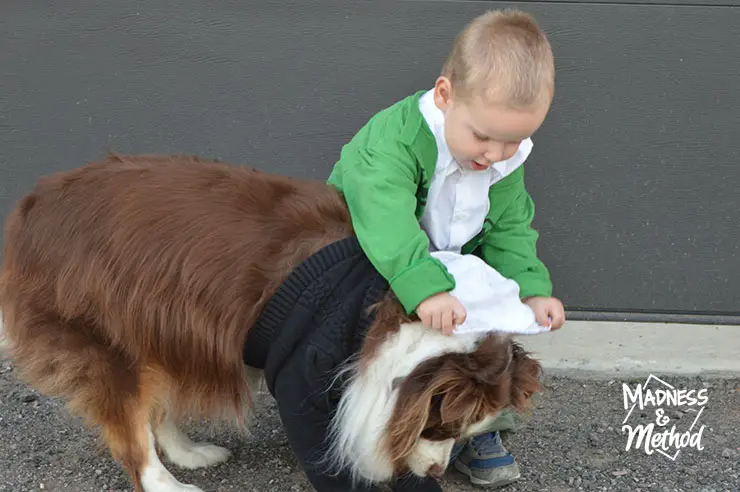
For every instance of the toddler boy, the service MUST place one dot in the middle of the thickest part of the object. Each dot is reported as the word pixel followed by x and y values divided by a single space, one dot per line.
pixel 441 171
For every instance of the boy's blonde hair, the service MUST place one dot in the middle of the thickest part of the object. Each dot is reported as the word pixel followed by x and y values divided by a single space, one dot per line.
pixel 504 56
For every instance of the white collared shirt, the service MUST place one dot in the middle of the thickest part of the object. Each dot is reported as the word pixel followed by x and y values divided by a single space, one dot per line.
pixel 457 203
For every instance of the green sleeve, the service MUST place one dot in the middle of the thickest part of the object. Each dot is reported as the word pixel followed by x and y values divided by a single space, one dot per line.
pixel 379 184
pixel 510 246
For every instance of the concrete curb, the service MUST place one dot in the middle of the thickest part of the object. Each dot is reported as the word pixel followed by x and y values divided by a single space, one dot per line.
pixel 616 350
pixel 596 350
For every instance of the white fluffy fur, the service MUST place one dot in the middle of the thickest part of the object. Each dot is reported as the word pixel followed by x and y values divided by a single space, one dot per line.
pixel 428 453
pixel 156 478
pixel 180 450
pixel 357 430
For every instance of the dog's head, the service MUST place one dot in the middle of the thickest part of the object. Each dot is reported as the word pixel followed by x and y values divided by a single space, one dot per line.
pixel 414 392
pixel 456 395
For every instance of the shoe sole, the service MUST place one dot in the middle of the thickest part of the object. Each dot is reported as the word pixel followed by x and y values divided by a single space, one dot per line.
pixel 484 483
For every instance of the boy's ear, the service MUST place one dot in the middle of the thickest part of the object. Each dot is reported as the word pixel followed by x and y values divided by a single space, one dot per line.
pixel 443 93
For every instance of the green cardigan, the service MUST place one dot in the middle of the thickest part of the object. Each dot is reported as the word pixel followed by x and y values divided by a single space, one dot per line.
pixel 384 174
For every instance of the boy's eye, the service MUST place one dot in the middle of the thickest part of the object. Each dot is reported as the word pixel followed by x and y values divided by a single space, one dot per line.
pixel 479 136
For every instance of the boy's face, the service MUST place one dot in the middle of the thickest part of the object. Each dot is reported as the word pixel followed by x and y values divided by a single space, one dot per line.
pixel 480 133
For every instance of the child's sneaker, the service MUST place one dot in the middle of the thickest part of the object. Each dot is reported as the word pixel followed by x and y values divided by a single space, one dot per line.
pixel 486 462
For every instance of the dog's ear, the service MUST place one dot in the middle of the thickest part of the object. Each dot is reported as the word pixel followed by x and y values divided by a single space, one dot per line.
pixel 460 402
pixel 526 377
pixel 437 385
pixel 410 415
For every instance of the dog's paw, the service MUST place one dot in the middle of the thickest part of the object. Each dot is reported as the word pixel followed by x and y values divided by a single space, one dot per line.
pixel 198 455
pixel 180 488
pixel 157 479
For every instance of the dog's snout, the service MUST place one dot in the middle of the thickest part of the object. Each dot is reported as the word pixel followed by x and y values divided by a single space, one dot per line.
pixel 436 471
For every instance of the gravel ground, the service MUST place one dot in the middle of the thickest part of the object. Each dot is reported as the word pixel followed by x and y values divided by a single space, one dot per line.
pixel 571 441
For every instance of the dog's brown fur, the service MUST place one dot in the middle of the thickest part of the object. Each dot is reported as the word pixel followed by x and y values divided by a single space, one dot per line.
pixel 132 278
pixel 129 286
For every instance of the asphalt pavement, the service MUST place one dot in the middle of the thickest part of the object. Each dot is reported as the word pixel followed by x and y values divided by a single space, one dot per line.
pixel 572 440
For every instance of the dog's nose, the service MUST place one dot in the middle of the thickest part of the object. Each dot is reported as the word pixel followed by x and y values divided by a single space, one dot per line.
pixel 435 471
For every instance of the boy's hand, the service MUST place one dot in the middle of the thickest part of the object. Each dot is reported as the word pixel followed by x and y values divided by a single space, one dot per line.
pixel 547 310
pixel 441 312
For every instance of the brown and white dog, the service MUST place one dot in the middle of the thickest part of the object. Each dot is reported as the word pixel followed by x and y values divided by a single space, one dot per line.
pixel 128 289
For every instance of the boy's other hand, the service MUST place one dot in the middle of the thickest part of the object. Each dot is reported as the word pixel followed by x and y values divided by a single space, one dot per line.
pixel 547 310
pixel 441 312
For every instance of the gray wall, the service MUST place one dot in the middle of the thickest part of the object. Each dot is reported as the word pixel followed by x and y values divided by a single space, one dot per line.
pixel 635 172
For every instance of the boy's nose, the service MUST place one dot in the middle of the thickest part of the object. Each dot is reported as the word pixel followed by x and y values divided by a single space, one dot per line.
pixel 495 153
